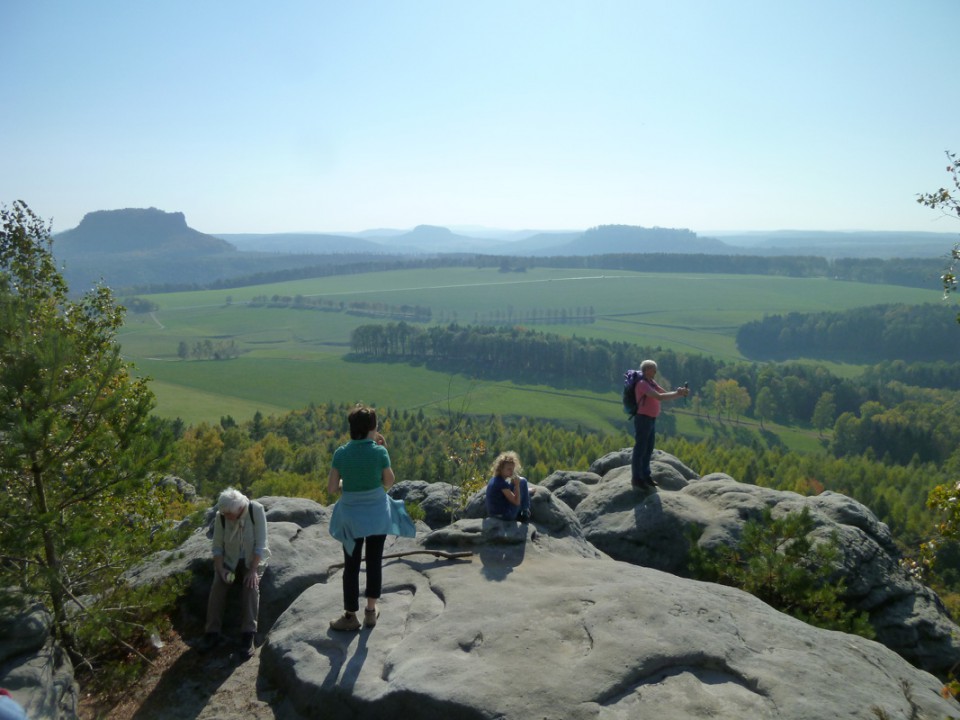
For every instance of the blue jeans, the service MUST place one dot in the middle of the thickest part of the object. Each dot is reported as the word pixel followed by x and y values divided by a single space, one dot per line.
pixel 514 511
pixel 645 428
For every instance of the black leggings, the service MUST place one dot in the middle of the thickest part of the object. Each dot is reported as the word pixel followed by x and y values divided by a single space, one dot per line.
pixel 351 571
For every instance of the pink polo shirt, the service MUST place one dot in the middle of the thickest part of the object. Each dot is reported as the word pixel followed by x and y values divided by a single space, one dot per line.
pixel 647 404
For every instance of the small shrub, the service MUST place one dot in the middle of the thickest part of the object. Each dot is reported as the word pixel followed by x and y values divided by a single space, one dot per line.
pixel 777 561
pixel 415 511
pixel 115 644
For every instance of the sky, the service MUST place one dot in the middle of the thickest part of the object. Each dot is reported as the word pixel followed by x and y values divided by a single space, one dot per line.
pixel 321 116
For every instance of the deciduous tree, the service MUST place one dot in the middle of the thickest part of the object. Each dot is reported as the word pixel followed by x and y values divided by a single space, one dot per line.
pixel 948 202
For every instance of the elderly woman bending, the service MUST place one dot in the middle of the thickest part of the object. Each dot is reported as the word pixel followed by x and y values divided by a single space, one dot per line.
pixel 240 552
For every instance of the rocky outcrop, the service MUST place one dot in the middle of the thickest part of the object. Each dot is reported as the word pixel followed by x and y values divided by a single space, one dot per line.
pixel 539 624
pixel 37 673
pixel 653 530
pixel 582 613
pixel 440 502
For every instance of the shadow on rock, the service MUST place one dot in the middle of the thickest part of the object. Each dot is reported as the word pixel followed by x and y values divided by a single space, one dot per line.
pixel 189 683
pixel 500 560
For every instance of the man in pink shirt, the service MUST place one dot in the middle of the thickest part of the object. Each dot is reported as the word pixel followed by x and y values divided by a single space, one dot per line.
pixel 649 396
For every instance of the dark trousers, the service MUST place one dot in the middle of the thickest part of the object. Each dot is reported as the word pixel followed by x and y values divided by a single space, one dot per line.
pixel 351 571
pixel 513 512
pixel 645 428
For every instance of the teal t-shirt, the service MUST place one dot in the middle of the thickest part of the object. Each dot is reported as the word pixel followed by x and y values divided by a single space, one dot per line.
pixel 360 464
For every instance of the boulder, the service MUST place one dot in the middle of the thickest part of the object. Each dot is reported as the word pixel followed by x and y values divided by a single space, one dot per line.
pixel 540 626
pixel 439 501
pixel 37 673
pixel 653 529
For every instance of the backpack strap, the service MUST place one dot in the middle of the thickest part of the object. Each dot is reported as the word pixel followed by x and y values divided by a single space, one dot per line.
pixel 223 520
pixel 643 397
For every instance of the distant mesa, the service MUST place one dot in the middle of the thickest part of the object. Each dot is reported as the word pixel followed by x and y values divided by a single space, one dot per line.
pixel 137 230
pixel 606 239
pixel 434 232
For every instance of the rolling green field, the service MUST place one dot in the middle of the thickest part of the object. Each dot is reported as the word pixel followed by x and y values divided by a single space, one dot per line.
pixel 292 357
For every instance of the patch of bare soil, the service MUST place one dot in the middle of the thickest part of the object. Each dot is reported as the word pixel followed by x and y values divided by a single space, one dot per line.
pixel 183 683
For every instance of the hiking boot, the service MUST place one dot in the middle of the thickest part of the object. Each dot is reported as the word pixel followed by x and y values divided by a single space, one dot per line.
pixel 246 645
pixel 347 621
pixel 208 642
pixel 652 483
pixel 370 617
pixel 524 516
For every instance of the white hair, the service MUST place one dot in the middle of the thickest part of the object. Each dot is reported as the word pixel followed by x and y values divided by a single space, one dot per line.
pixel 232 500
pixel 647 364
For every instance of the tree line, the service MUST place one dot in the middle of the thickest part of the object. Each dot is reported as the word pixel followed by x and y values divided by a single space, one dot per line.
pixel 208 350
pixel 404 311
pixel 917 272
pixel 517 353
pixel 891 332
pixel 884 417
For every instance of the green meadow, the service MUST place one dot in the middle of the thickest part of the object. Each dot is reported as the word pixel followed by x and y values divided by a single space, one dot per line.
pixel 293 357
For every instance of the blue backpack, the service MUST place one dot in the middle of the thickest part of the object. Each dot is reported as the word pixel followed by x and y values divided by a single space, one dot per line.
pixel 630 380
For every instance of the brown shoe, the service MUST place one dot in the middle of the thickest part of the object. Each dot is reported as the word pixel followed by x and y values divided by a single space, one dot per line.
pixel 347 621
pixel 370 617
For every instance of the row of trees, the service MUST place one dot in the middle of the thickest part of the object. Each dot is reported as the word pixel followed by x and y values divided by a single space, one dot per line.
pixel 521 354
pixel 412 313
pixel 786 393
pixel 904 272
pixel 208 350
pixel 537 316
pixel 860 335
pixel 870 414
pixel 909 272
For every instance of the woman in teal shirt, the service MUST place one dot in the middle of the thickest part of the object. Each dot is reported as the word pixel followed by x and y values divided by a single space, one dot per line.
pixel 365 514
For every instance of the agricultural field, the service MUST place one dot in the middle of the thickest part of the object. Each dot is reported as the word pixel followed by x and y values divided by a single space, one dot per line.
pixel 289 358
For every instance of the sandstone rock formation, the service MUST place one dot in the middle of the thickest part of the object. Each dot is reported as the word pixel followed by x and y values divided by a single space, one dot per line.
pixel 652 530
pixel 582 613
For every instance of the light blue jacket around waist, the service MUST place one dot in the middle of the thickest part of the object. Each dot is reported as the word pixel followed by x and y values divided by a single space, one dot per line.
pixel 369 512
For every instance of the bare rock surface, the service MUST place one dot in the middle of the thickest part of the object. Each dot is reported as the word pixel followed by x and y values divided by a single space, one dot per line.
pixel 653 529
pixel 582 613
pixel 543 628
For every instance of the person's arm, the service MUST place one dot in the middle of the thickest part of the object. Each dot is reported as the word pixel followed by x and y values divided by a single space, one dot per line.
pixel 388 478
pixel 333 482
pixel 512 493
pixel 672 395
pixel 261 546
pixel 661 396
pixel 218 566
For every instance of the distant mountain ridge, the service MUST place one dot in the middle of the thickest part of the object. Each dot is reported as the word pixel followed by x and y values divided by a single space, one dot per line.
pixel 150 247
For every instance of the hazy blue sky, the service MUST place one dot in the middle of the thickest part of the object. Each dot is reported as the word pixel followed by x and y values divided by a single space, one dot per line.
pixel 553 114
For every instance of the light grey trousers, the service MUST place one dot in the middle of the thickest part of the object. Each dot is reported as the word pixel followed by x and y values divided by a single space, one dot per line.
pixel 249 602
